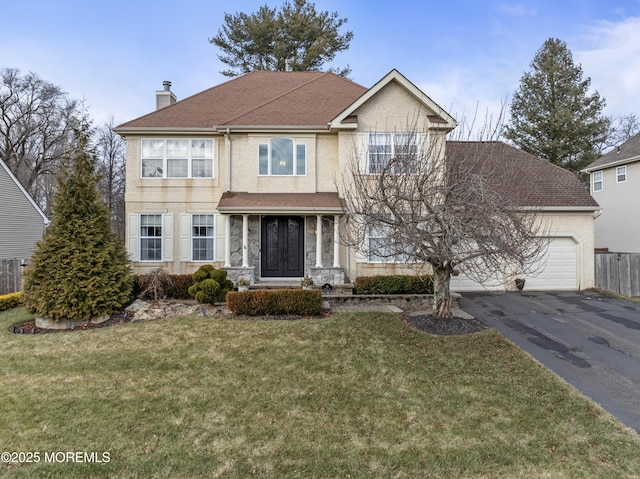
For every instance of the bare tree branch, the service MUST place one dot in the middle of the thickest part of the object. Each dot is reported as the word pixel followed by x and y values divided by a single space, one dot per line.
pixel 416 199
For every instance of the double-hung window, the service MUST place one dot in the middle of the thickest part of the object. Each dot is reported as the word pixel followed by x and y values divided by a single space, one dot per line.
pixel 382 148
pixel 153 158
pixel 282 157
pixel 383 248
pixel 150 237
pixel 202 237
pixel 177 158
pixel 621 174
pixel 598 181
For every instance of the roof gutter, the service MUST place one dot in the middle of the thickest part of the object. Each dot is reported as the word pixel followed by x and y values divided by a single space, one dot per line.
pixel 123 131
pixel 611 164
pixel 280 210
pixel 561 208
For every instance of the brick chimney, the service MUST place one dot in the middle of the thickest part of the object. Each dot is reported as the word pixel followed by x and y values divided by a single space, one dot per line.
pixel 165 97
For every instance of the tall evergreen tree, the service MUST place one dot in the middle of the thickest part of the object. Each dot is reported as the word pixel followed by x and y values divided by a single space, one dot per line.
pixel 297 37
pixel 79 270
pixel 553 115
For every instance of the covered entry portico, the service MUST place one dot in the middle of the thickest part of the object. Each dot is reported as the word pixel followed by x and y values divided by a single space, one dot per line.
pixel 276 236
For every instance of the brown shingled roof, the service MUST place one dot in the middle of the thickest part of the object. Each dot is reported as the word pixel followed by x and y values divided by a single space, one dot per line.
pixel 533 182
pixel 627 152
pixel 259 98
pixel 242 202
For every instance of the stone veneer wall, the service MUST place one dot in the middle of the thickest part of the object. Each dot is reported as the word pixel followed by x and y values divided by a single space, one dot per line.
pixel 236 240
pixel 324 275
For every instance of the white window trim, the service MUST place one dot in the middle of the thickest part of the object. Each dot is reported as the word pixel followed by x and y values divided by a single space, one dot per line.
pixel 365 138
pixel 135 240
pixel 140 237
pixel 189 159
pixel 389 260
pixel 618 174
pixel 594 181
pixel 212 238
pixel 295 158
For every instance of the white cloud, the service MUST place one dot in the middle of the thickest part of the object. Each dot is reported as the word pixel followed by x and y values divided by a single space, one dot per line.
pixel 517 10
pixel 611 58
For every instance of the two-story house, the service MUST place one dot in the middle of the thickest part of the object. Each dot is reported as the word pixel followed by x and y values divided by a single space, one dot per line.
pixel 615 184
pixel 247 176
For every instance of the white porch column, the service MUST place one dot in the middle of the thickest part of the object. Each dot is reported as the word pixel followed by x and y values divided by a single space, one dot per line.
pixel 318 241
pixel 336 241
pixel 245 241
pixel 227 241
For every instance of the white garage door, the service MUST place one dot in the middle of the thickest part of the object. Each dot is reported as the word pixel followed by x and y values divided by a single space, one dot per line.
pixel 557 271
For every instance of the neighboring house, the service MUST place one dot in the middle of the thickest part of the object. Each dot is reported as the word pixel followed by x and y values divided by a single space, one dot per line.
pixel 246 176
pixel 22 222
pixel 615 184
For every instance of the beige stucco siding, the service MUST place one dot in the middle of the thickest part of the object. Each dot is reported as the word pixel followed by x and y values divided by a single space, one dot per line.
pixel 574 225
pixel 618 225
pixel 577 225
pixel 392 109
pixel 173 198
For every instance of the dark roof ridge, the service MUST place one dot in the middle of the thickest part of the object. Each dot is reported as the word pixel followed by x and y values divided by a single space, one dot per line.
pixel 281 95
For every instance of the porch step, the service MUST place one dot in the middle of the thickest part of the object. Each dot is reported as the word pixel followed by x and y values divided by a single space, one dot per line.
pixel 275 285
pixel 335 289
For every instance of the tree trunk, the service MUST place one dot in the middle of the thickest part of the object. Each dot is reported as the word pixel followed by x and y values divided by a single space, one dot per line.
pixel 441 295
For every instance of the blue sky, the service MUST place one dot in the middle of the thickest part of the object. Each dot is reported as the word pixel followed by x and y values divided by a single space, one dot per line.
pixel 463 54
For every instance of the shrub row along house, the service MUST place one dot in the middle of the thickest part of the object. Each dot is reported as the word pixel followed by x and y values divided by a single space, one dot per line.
pixel 247 176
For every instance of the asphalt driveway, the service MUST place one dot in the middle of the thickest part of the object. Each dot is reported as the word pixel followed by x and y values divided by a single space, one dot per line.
pixel 590 340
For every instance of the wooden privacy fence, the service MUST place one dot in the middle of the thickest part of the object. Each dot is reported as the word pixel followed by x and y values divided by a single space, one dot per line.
pixel 10 276
pixel 618 272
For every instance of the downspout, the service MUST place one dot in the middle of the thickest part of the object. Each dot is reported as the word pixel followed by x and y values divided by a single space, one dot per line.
pixel 228 159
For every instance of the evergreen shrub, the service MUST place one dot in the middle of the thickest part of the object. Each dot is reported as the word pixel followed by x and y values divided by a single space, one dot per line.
pixel 10 301
pixel 394 284
pixel 296 302
pixel 80 269
pixel 210 285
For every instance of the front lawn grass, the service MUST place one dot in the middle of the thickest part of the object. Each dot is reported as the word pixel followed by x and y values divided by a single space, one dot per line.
pixel 353 395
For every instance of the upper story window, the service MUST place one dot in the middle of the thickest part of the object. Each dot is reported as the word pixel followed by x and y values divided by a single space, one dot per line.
pixel 597 181
pixel 176 158
pixel 282 157
pixel 621 174
pixel 383 147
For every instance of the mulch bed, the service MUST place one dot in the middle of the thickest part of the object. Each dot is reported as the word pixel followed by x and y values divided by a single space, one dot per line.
pixel 29 327
pixel 444 327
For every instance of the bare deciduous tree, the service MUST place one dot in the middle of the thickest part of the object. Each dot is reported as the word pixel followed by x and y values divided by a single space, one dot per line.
pixel 111 172
pixel 36 128
pixel 439 206
pixel 622 129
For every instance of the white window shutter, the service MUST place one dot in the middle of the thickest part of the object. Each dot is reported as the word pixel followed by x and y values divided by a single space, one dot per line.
pixel 167 237
pixel 219 242
pixel 133 235
pixel 185 237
